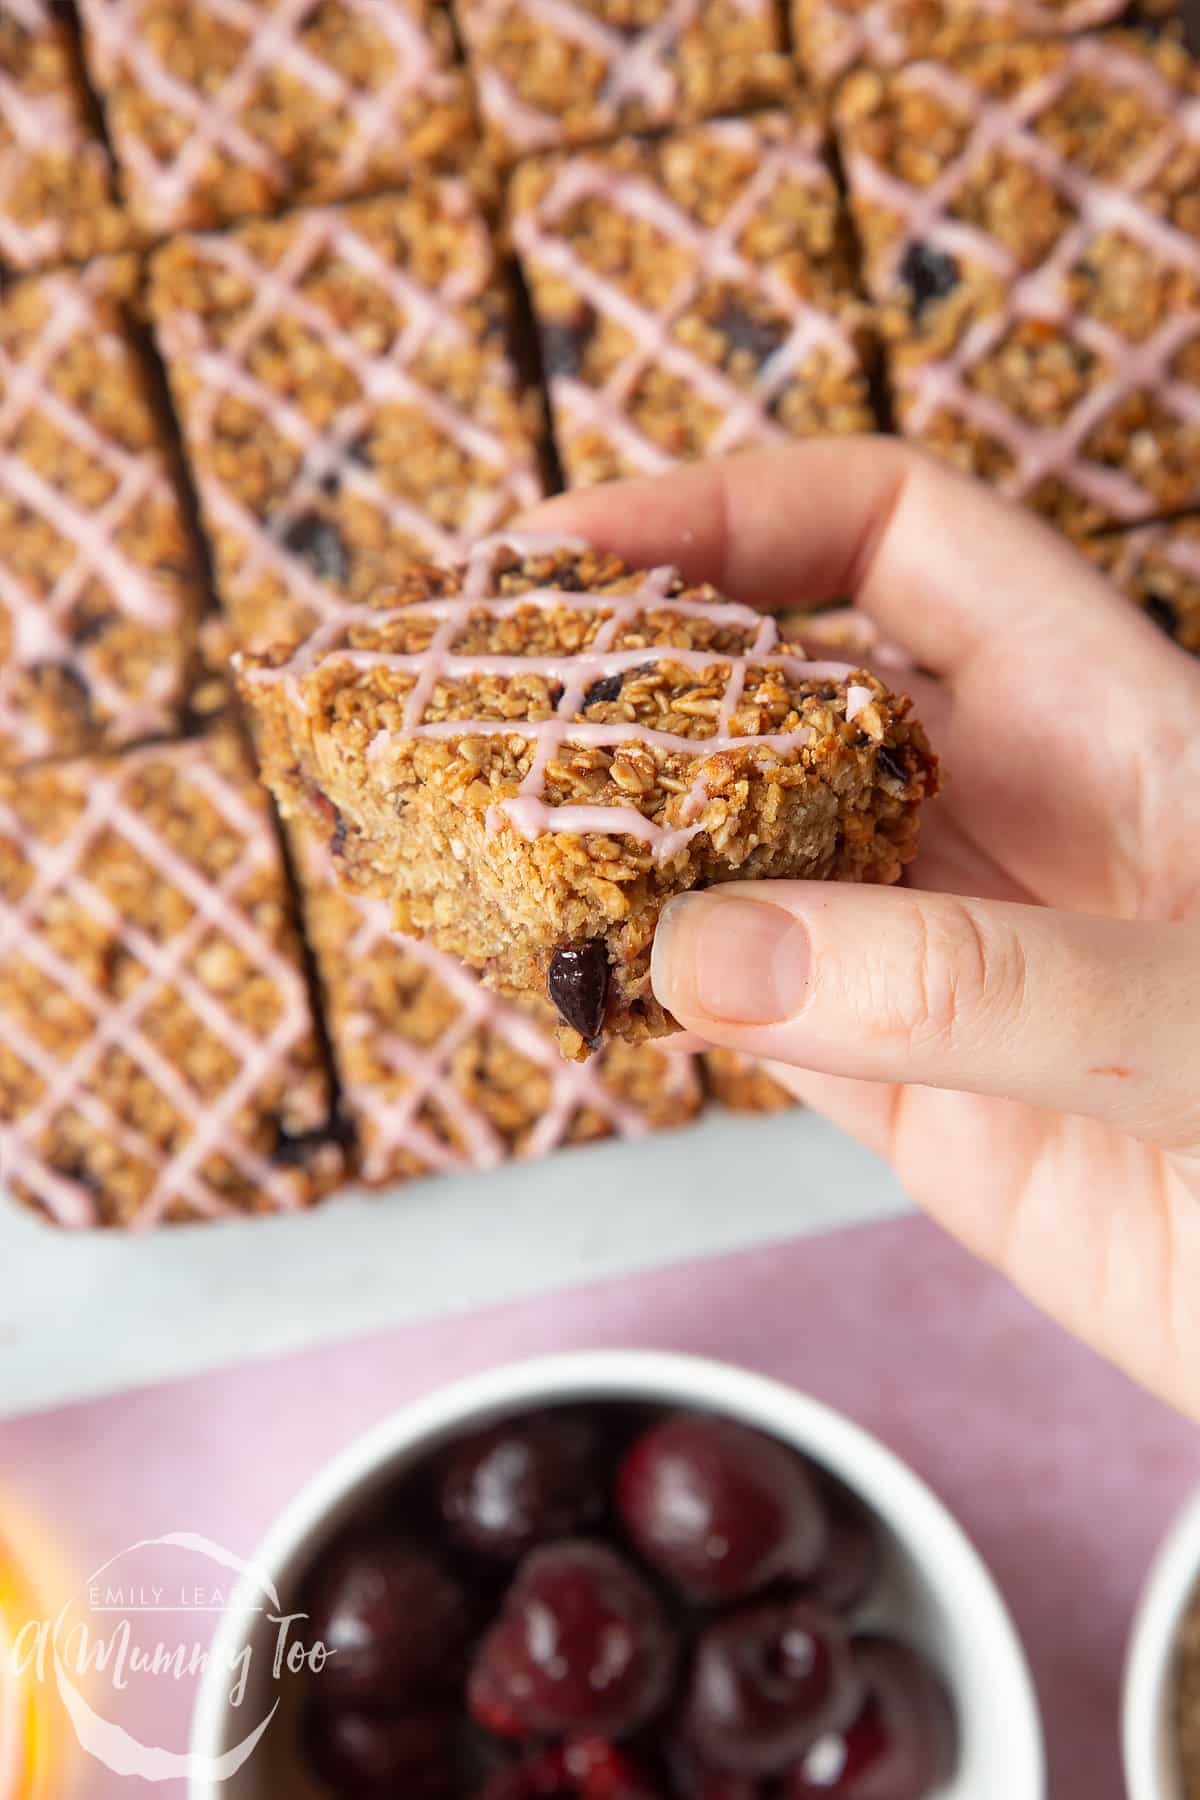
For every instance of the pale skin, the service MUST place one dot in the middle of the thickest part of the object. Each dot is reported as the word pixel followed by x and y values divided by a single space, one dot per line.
pixel 1017 1027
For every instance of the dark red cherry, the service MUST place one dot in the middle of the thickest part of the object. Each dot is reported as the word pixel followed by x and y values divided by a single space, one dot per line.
pixel 394 1620
pixel 901 1745
pixel 850 1565
pixel 694 1781
pixel 582 1647
pixel 765 1683
pixel 523 1481
pixel 589 1769
pixel 720 1509
pixel 373 1757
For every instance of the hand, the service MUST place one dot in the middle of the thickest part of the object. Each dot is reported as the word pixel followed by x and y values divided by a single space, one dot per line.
pixel 1017 1027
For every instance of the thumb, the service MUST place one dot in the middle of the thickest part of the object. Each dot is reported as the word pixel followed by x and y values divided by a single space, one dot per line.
pixel 1068 1011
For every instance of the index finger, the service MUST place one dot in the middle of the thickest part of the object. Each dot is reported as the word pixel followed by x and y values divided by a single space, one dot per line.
pixel 940 562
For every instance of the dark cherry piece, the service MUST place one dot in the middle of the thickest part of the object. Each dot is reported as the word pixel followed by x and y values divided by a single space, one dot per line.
pixel 396 1620
pixel 850 1565
pixel 693 1780
pixel 363 1756
pixel 589 1769
pixel 523 1481
pixel 744 330
pixel 318 541
pixel 766 1682
pixel 890 762
pixel 928 274
pixel 720 1509
pixel 607 688
pixel 901 1745
pixel 578 986
pixel 582 1648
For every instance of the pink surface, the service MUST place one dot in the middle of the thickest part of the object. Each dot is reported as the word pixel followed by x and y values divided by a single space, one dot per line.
pixel 1063 1473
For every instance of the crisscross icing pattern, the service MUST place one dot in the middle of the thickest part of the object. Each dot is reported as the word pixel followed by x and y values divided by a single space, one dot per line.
pixel 397 1120
pixel 74 313
pixel 833 38
pixel 713 255
pixel 528 810
pixel 267 1067
pixel 214 119
pixel 327 455
pixel 641 74
pixel 38 126
pixel 1126 368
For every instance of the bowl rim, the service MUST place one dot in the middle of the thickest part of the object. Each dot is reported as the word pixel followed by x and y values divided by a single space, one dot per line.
pixel 964 1580
pixel 1169 1584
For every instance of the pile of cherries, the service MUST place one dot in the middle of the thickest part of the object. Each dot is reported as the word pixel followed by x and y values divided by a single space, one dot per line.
pixel 588 1604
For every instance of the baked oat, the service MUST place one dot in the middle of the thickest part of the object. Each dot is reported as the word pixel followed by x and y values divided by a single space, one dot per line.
pixel 693 295
pixel 833 36
pixel 57 202
pixel 1157 565
pixel 347 396
pixel 223 108
pixel 100 584
pixel 157 1053
pixel 439 1074
pixel 1030 217
pixel 528 754
pixel 559 72
pixel 744 1085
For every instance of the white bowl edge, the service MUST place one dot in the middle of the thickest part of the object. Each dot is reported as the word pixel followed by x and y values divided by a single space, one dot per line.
pixel 1150 1772
pixel 910 1509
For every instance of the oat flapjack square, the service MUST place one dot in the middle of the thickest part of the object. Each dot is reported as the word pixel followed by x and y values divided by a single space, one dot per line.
pixel 57 202
pixel 438 1074
pixel 100 584
pixel 693 295
pixel 528 753
pixel 1030 217
pixel 565 72
pixel 157 1052
pixel 223 108
pixel 347 395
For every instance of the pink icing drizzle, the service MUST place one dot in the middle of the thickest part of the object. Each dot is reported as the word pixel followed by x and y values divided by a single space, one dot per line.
pixel 41 623
pixel 393 1125
pixel 1006 126
pixel 215 117
pixel 210 1124
pixel 528 811
pixel 223 368
pixel 745 413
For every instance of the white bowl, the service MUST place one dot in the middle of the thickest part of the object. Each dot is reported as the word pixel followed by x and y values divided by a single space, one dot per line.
pixel 937 1592
pixel 1151 1768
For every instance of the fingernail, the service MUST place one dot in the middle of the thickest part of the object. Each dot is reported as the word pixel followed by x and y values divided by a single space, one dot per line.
pixel 737 962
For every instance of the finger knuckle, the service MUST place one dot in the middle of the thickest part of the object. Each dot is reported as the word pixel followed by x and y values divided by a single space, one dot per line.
pixel 965 977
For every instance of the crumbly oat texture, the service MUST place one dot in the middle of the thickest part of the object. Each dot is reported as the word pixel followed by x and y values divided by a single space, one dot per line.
pixel 439 1074
pixel 693 294
pixel 157 1053
pixel 556 72
pixel 348 398
pixel 743 1085
pixel 1158 565
pixel 1030 216
pixel 528 754
pixel 834 36
pixel 99 581
pixel 223 108
pixel 56 188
